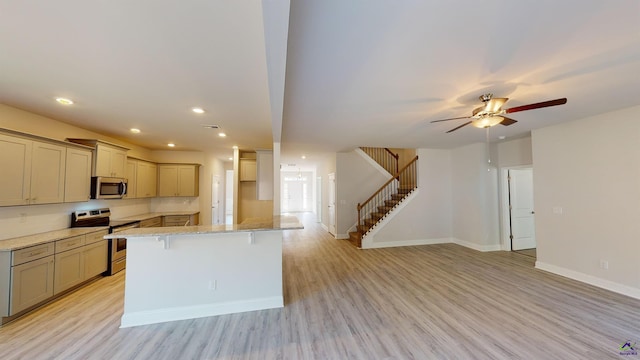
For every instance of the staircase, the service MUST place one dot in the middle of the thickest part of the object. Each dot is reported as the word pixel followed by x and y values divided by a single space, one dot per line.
pixel 384 200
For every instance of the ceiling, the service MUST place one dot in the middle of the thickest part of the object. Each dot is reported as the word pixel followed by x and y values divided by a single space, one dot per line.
pixel 342 74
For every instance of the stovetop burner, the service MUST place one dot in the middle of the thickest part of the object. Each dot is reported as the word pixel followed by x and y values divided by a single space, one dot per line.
pixel 90 218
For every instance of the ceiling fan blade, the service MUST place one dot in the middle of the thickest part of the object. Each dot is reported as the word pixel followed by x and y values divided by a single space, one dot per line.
pixel 458 118
pixel 456 128
pixel 537 105
pixel 507 121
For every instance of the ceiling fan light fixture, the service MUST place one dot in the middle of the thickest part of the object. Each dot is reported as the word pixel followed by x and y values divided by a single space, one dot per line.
pixel 486 122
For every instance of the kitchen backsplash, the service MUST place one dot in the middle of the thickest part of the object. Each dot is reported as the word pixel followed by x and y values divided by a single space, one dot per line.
pixel 18 221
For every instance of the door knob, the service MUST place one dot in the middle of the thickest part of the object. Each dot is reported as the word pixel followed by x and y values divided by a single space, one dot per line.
pixel 533 212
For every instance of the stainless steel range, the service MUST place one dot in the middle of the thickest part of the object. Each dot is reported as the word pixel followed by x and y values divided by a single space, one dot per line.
pixel 117 247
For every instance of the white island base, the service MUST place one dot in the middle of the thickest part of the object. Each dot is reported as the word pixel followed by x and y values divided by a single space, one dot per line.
pixel 185 276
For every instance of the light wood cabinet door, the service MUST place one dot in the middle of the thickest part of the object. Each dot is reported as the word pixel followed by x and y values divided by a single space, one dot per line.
pixel 147 178
pixel 95 259
pixel 248 169
pixel 110 161
pixel 31 283
pixel 77 183
pixel 47 173
pixel 132 185
pixel 153 222
pixel 167 180
pixel 15 160
pixel 178 180
pixel 188 180
pixel 69 269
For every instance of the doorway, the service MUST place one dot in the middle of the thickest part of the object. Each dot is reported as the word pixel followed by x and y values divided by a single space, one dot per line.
pixel 228 198
pixel 518 211
pixel 332 204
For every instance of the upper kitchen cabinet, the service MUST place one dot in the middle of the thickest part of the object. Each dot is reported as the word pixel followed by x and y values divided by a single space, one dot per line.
pixel 110 159
pixel 178 179
pixel 248 167
pixel 34 171
pixel 146 179
pixel 77 185
pixel 132 177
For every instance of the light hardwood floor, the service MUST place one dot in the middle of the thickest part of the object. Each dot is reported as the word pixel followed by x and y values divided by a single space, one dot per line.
pixel 423 302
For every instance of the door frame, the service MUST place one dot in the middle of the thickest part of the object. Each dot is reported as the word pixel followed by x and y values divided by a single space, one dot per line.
pixel 505 215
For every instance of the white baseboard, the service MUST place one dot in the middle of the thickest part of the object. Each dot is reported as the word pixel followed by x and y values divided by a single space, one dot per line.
pixel 324 227
pixel 590 279
pixel 198 311
pixel 342 236
pixel 387 244
pixel 477 247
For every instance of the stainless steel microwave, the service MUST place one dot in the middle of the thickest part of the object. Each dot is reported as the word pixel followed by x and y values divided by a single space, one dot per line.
pixel 108 188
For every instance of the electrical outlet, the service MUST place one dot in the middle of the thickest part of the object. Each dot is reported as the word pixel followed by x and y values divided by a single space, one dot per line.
pixel 604 264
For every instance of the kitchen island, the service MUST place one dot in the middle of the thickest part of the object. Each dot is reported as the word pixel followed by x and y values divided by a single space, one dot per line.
pixel 185 272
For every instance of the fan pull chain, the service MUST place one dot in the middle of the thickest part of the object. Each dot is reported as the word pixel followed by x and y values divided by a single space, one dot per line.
pixel 488 150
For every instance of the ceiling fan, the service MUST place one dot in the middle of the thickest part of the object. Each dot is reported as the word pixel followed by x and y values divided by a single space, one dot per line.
pixel 491 113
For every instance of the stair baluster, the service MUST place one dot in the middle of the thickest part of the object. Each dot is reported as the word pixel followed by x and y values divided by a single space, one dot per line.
pixel 388 196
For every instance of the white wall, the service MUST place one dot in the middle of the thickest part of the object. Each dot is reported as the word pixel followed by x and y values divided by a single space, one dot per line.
pixel 515 152
pixel 323 169
pixel 588 171
pixel 356 180
pixel 427 217
pixel 474 199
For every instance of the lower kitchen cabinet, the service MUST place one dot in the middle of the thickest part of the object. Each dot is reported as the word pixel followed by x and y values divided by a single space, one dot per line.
pixel 33 275
pixel 95 259
pixel 69 270
pixel 180 220
pixel 153 222
pixel 31 284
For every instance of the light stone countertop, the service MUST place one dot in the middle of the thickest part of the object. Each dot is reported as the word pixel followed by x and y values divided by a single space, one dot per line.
pixel 256 224
pixel 49 236
pixel 141 217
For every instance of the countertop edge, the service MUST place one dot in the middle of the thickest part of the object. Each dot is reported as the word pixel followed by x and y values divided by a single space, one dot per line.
pixel 22 242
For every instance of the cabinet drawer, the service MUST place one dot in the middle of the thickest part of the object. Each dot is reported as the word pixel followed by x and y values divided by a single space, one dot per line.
pixel 95 236
pixel 153 222
pixel 70 243
pixel 32 253
pixel 176 220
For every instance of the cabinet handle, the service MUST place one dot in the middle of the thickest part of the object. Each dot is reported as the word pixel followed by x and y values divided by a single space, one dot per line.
pixel 36 253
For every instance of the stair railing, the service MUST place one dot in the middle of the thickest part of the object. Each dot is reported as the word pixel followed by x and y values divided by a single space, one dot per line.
pixel 403 181
pixel 384 157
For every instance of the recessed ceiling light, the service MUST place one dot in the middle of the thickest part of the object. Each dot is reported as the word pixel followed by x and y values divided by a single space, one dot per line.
pixel 135 131
pixel 303 157
pixel 502 137
pixel 230 158
pixel 171 145
pixel 197 110
pixel 64 101
pixel 235 146
pixel 222 134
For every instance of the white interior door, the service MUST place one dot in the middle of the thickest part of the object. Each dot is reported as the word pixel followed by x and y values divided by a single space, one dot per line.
pixel 522 214
pixel 332 204
pixel 215 200
pixel 319 198
pixel 228 199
